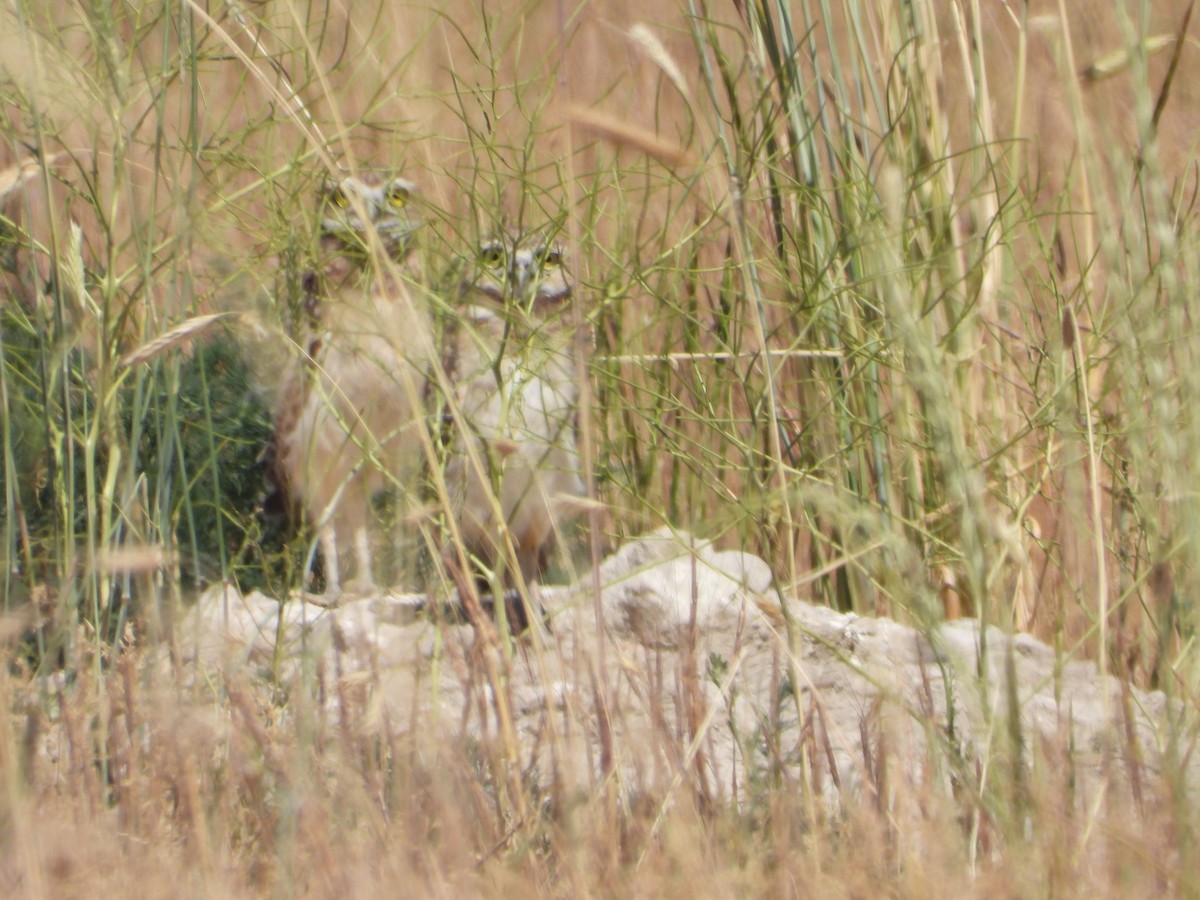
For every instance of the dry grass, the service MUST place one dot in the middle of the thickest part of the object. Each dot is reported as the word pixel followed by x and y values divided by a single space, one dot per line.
pixel 898 295
pixel 128 783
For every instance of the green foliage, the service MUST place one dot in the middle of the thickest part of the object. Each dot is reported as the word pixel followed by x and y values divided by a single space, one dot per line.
pixel 195 426
pixel 208 463
pixel 44 389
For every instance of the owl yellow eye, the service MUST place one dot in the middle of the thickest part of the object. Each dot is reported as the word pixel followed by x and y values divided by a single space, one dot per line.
pixel 491 255
pixel 551 258
pixel 338 198
pixel 398 195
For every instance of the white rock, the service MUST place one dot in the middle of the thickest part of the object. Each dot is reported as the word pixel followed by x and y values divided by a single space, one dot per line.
pixel 847 680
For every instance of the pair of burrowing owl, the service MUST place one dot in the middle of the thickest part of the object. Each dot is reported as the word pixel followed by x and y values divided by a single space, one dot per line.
pixel 355 409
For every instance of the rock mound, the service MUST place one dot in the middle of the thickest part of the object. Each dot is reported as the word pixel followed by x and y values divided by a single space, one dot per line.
pixel 697 680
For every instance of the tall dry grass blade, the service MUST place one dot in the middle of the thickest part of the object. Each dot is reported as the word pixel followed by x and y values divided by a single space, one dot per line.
pixel 179 336
pixel 643 36
pixel 1118 61
pixel 626 134
pixel 131 560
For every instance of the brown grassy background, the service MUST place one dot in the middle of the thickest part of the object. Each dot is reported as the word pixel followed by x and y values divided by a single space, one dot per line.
pixel 996 137
pixel 986 409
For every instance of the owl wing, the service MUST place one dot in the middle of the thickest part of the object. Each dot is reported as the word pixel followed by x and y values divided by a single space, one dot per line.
pixel 281 499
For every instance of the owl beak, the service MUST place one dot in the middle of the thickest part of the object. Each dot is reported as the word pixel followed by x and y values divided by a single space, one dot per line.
pixel 522 279
pixel 397 233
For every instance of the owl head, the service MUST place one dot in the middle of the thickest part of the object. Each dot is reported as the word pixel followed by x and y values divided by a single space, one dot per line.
pixel 354 206
pixel 525 270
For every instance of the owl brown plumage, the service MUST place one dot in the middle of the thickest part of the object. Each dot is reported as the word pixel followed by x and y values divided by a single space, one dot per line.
pixel 349 413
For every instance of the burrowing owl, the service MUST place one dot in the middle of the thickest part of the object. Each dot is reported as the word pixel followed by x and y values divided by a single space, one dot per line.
pixel 513 467
pixel 349 416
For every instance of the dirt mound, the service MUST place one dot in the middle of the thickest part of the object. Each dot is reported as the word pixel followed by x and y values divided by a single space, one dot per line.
pixel 694 681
